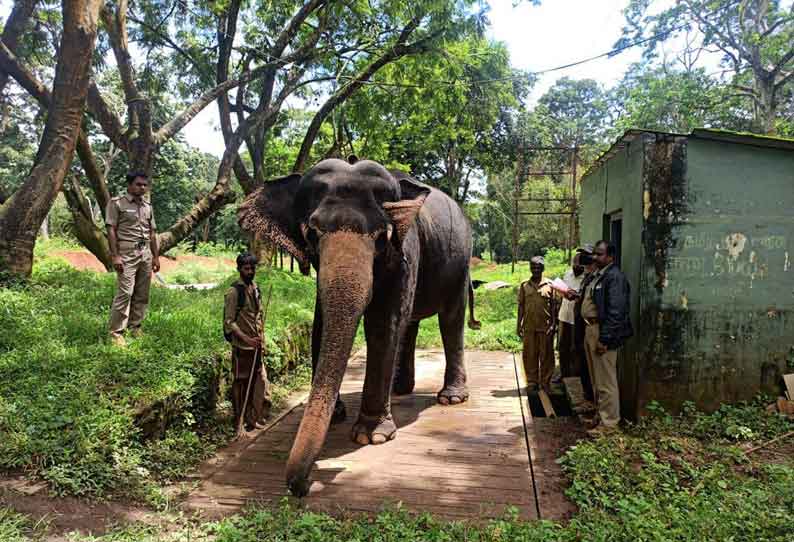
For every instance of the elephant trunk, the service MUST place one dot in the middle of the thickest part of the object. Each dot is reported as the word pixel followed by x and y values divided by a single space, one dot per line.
pixel 344 285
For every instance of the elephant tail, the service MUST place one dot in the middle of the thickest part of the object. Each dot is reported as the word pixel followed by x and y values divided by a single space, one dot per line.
pixel 473 322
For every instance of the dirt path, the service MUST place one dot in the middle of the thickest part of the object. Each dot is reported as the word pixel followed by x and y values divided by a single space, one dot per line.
pixel 84 260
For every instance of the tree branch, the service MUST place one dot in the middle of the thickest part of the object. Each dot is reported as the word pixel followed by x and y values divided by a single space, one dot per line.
pixel 14 27
pixel 116 27
pixel 173 126
pixel 169 42
pixel 396 51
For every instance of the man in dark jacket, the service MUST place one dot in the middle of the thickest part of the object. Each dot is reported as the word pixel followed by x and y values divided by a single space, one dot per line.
pixel 605 310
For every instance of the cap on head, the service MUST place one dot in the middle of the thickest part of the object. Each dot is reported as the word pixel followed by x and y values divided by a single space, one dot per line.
pixel 587 248
pixel 537 260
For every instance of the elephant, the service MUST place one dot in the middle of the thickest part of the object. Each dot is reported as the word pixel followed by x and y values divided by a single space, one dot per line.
pixel 386 247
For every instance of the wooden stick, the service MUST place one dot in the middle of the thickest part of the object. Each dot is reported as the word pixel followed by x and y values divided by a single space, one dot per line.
pixel 764 445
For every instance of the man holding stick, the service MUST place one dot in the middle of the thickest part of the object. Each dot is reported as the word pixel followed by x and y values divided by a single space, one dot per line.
pixel 243 328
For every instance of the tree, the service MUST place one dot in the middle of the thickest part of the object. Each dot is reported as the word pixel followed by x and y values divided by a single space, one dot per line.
pixel 445 116
pixel 23 213
pixel 755 37
pixel 667 99
pixel 193 54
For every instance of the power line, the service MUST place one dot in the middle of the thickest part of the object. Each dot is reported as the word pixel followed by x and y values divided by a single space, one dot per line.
pixel 610 53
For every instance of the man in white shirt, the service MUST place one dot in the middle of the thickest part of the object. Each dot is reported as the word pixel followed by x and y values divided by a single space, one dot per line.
pixel 570 365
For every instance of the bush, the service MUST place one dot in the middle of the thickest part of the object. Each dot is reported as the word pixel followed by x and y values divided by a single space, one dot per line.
pixel 91 418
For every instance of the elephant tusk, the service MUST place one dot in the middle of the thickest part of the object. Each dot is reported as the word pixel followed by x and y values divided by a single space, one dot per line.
pixel 305 231
pixel 389 231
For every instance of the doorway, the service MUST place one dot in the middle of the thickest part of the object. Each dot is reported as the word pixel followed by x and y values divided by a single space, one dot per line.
pixel 613 232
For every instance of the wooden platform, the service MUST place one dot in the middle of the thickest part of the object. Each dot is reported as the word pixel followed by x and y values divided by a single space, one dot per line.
pixel 465 461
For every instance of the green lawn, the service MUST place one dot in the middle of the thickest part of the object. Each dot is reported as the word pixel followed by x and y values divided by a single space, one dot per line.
pixel 94 419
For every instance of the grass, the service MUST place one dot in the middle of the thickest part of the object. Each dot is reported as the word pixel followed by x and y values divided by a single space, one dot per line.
pixel 193 272
pixel 495 309
pixel 93 419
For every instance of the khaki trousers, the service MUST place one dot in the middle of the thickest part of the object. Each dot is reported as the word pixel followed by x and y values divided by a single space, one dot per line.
pixel 538 357
pixel 132 291
pixel 259 401
pixel 604 373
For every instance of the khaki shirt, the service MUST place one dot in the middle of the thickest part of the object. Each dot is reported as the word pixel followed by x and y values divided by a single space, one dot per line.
pixel 248 321
pixel 134 220
pixel 589 308
pixel 537 307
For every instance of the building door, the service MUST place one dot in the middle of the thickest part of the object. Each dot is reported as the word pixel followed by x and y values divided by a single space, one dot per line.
pixel 613 232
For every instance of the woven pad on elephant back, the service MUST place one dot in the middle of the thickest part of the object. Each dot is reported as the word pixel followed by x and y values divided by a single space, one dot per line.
pixel 403 213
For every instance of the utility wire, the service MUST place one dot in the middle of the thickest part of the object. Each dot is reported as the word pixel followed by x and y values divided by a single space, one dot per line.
pixel 610 53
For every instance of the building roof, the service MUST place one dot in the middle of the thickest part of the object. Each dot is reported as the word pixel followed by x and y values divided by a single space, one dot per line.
pixel 722 136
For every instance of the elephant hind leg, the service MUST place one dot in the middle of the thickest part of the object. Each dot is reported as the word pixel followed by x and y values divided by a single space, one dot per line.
pixel 452 321
pixel 404 374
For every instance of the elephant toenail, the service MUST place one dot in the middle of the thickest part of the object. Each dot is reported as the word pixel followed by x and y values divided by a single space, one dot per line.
pixel 378 438
pixel 443 400
pixel 454 400
pixel 362 439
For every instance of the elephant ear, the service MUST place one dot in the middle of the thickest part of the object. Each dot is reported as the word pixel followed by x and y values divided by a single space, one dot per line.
pixel 403 213
pixel 269 213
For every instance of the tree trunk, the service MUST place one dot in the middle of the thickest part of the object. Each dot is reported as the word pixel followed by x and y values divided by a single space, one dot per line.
pixel 767 106
pixel 23 213
pixel 87 232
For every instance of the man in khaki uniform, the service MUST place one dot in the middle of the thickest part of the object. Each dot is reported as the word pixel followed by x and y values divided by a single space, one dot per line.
pixel 536 325
pixel 135 255
pixel 605 311
pixel 242 327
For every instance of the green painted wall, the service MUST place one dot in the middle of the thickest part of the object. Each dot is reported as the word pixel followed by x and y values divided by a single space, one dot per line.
pixel 724 314
pixel 708 244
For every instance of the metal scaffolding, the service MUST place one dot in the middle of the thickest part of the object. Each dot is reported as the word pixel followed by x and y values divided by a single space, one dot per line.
pixel 524 161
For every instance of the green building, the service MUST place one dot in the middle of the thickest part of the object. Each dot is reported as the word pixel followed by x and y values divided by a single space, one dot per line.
pixel 704 225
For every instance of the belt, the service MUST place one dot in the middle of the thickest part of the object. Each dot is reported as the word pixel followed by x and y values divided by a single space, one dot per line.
pixel 590 321
pixel 139 245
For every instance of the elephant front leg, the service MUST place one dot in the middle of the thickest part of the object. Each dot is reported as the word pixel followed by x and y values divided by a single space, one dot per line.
pixel 455 390
pixel 383 330
pixel 404 376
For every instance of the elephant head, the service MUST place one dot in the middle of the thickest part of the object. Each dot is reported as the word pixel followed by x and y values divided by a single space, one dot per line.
pixel 349 221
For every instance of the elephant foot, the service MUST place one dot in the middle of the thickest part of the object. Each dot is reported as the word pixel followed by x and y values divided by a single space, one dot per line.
pixel 373 429
pixel 299 487
pixel 453 395
pixel 403 386
pixel 340 413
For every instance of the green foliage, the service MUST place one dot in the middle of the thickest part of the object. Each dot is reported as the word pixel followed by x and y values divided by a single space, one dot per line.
pixel 682 478
pixel 89 417
pixel 14 527
pixel 755 39
pixel 675 100
pixel 444 133
pixel 495 309
pixel 181 174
